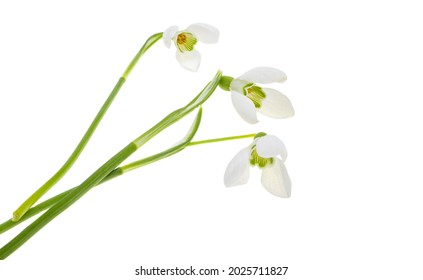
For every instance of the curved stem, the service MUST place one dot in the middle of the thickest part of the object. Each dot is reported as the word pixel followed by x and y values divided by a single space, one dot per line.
pixel 150 41
pixel 105 169
pixel 24 207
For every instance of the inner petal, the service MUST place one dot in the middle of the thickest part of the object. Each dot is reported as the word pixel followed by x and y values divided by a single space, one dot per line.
pixel 255 159
pixel 185 41
pixel 255 94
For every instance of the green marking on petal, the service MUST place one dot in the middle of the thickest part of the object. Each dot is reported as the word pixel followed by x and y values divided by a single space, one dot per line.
pixel 255 94
pixel 255 159
pixel 185 41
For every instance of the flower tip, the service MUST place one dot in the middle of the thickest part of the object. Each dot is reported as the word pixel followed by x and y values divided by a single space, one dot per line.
pixel 250 119
pixel 205 33
pixel 281 194
pixel 189 60
pixel 264 75
pixel 195 69
pixel 231 181
pixel 228 184
pixel 275 179
pixel 285 194
pixel 282 78
pixel 289 112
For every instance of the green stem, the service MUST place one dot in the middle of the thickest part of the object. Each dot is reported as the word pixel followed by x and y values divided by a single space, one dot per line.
pixel 24 207
pixel 124 169
pixel 221 139
pixel 105 169
pixel 115 173
pixel 66 201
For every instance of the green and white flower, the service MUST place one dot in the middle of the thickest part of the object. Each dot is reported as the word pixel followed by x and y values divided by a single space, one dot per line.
pixel 185 40
pixel 268 153
pixel 248 98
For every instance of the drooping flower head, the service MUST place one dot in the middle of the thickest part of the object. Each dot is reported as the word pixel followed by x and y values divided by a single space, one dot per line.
pixel 248 98
pixel 185 41
pixel 269 154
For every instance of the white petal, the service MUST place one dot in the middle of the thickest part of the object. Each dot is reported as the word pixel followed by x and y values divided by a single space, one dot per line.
pixel 276 180
pixel 204 33
pixel 276 104
pixel 264 75
pixel 189 60
pixel 168 35
pixel 238 85
pixel 271 146
pixel 238 169
pixel 244 107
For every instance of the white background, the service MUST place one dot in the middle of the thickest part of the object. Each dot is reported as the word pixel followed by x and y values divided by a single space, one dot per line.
pixel 355 145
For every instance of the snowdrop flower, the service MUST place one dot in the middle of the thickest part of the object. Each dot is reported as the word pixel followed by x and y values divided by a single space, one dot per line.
pixel 268 153
pixel 248 98
pixel 185 40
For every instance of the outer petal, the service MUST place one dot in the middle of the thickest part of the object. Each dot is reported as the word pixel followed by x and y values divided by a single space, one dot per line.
pixel 244 107
pixel 264 75
pixel 276 180
pixel 189 60
pixel 271 146
pixel 238 169
pixel 276 104
pixel 238 85
pixel 204 33
pixel 168 35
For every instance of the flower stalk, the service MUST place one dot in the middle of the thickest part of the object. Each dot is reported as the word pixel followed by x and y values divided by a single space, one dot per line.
pixel 23 208
pixel 221 139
